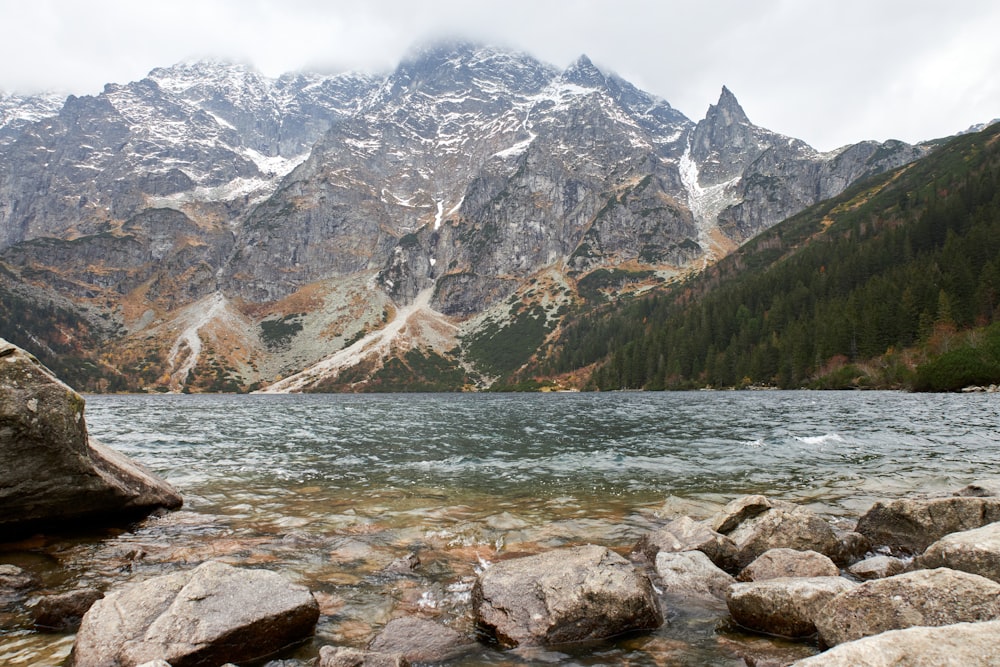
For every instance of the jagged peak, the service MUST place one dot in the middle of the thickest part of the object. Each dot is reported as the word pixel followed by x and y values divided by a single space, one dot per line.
pixel 583 72
pixel 727 110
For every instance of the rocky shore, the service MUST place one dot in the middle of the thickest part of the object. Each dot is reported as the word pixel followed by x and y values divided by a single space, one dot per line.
pixel 915 581
pixel 871 596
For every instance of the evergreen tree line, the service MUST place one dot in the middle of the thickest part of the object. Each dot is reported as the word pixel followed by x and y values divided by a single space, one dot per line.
pixel 879 269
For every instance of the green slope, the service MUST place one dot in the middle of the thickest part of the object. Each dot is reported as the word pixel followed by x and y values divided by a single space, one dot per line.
pixel 905 261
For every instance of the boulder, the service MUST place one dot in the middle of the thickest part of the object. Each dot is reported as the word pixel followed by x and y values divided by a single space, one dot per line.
pixel 981 489
pixel 784 563
pixel 686 534
pixel 420 640
pixel 342 656
pixel 910 525
pixel 976 551
pixel 59 474
pixel 566 595
pixel 64 611
pixel 737 511
pixel 924 597
pixel 784 607
pixel 212 614
pixel 878 567
pixel 958 645
pixel 779 525
pixel 691 574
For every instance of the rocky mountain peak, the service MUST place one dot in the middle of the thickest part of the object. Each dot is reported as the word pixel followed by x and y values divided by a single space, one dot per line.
pixel 584 73
pixel 728 110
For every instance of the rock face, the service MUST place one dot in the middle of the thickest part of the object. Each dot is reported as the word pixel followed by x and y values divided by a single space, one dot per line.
pixel 55 471
pixel 925 597
pixel 910 525
pixel 566 595
pixel 960 645
pixel 976 551
pixel 784 607
pixel 778 563
pixel 211 615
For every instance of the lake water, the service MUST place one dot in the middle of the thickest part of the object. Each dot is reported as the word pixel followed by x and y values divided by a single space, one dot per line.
pixel 333 489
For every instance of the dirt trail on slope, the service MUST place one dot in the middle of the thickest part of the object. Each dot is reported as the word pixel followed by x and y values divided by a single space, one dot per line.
pixel 376 344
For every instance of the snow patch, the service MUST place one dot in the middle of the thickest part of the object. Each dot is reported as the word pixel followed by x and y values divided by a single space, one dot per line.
pixel 706 203
pixel 439 214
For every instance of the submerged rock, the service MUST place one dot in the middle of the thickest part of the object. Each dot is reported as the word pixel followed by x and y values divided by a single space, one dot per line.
pixel 53 471
pixel 961 644
pixel 567 595
pixel 976 551
pixel 63 612
pixel 925 597
pixel 784 607
pixel 207 616
pixel 342 656
pixel 910 525
pixel 420 640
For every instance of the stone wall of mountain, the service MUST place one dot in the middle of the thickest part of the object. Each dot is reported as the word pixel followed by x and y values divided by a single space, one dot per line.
pixel 466 171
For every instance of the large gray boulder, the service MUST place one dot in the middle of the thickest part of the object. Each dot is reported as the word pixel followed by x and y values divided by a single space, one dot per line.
pixel 686 534
pixel 958 645
pixel 53 471
pixel 784 563
pixel 756 524
pixel 213 614
pixel 976 551
pixel 878 567
pixel 924 597
pixel 784 607
pixel 691 574
pixel 910 525
pixel 566 595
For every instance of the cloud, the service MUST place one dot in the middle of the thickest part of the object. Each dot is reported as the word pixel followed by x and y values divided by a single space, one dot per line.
pixel 829 73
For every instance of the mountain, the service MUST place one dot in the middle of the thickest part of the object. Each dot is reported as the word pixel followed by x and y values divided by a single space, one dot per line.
pixel 207 227
pixel 875 287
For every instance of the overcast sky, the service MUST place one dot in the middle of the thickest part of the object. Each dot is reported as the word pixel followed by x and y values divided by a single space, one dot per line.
pixel 829 72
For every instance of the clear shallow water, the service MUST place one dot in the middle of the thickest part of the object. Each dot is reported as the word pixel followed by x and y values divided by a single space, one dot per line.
pixel 332 489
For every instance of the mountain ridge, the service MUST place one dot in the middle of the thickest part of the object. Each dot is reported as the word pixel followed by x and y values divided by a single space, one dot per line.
pixel 320 206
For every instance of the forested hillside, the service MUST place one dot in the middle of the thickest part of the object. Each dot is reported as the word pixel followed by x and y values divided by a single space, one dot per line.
pixel 892 284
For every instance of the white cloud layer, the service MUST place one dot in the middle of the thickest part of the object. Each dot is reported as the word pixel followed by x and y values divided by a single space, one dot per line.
pixel 827 72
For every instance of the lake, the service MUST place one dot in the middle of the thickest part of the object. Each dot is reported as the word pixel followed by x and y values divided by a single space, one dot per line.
pixel 332 489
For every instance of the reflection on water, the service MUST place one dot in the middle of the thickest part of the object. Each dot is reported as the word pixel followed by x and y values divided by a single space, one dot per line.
pixel 337 490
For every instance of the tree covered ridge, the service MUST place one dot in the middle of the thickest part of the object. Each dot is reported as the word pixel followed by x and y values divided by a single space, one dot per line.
pixel 903 261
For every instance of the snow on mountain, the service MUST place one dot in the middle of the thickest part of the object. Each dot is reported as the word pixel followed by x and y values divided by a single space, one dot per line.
pixel 17 111
pixel 340 201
